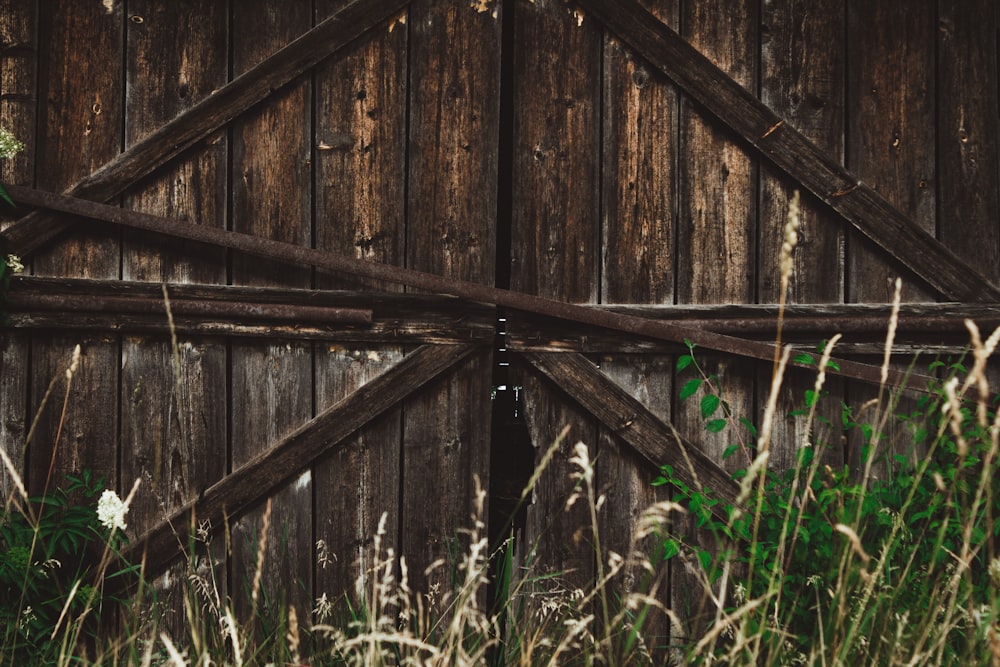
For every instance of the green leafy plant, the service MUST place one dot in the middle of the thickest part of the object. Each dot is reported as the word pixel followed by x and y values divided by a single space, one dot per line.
pixel 842 567
pixel 53 554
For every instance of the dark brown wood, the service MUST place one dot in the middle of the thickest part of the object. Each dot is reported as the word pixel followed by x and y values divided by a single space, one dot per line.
pixel 640 116
pixel 891 130
pixel 359 193
pixel 207 309
pixel 556 245
pixel 451 231
pixel 173 399
pixel 967 153
pixel 272 388
pixel 654 439
pixel 18 84
pixel 80 120
pixel 428 282
pixel 858 204
pixel 803 62
pixel 209 114
pixel 272 468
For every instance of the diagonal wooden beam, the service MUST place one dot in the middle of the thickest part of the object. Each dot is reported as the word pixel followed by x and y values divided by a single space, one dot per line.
pixel 656 441
pixel 211 113
pixel 256 479
pixel 288 252
pixel 857 203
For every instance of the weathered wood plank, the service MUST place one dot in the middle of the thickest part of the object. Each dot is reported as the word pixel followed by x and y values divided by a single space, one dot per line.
pixel 80 128
pixel 716 250
pixel 967 111
pixel 451 231
pixel 654 439
pixel 18 81
pixel 360 177
pixel 661 330
pixel 638 261
pixel 272 388
pixel 272 468
pixel 803 62
pixel 891 129
pixel 859 204
pixel 226 103
pixel 173 400
pixel 555 248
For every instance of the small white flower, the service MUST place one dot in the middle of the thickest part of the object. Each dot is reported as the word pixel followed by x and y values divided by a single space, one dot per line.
pixel 111 510
pixel 14 264
pixel 9 145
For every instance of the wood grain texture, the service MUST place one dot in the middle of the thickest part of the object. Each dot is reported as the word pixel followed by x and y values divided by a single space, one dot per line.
pixel 640 116
pixel 209 114
pixel 18 80
pixel 967 111
pixel 261 475
pixel 555 248
pixel 80 128
pixel 740 110
pixel 272 391
pixel 174 400
pixel 360 181
pixel 891 129
pixel 803 62
pixel 451 231
pixel 717 247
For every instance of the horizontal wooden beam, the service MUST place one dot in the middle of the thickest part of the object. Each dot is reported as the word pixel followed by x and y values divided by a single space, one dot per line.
pixel 656 441
pixel 44 303
pixel 287 252
pixel 223 105
pixel 859 204
pixel 923 327
pixel 254 481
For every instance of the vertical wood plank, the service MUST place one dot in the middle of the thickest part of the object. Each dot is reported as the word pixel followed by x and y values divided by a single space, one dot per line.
pixel 716 248
pixel 967 112
pixel 272 389
pixel 639 176
pixel 802 80
pixel 891 146
pixel 555 244
pixel 360 150
pixel 890 129
pixel 173 406
pixel 80 128
pixel 18 104
pixel 452 205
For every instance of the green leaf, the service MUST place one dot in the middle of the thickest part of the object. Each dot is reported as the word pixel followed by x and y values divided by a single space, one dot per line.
pixel 715 425
pixel 730 450
pixel 749 426
pixel 811 397
pixel 689 388
pixel 705 558
pixel 671 548
pixel 6 197
pixel 709 404
pixel 804 358
pixel 684 361
pixel 830 363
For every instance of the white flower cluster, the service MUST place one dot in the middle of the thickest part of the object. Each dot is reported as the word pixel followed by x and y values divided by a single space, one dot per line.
pixel 111 510
pixel 14 264
pixel 9 145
